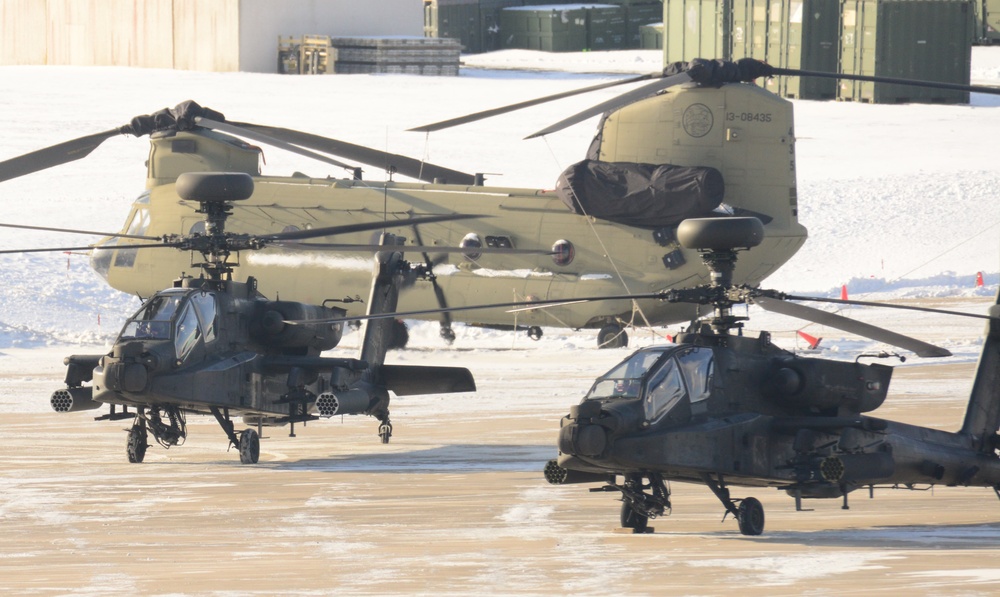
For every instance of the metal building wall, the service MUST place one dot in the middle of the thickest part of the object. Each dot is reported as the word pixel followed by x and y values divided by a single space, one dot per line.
pixel 210 35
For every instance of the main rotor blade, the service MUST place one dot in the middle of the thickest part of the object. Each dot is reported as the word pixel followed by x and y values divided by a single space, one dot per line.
pixel 365 155
pixel 525 303
pixel 346 228
pixel 872 332
pixel 885 305
pixel 72 231
pixel 893 80
pixel 444 124
pixel 616 102
pixel 89 248
pixel 262 138
pixel 410 248
pixel 54 155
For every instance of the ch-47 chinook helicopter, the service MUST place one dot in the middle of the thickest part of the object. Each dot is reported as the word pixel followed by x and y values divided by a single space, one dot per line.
pixel 724 409
pixel 627 246
pixel 210 345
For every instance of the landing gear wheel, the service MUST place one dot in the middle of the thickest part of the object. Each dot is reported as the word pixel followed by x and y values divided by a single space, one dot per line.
pixel 612 336
pixel 751 516
pixel 448 335
pixel 385 432
pixel 535 333
pixel 631 519
pixel 400 335
pixel 249 446
pixel 137 442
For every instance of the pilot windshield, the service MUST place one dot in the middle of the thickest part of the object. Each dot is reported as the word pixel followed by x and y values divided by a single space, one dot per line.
pixel 153 319
pixel 625 380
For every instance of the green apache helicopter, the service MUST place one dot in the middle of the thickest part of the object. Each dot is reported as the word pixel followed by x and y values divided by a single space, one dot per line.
pixel 725 409
pixel 210 345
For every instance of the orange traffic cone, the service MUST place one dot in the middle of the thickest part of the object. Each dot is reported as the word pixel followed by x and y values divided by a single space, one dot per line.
pixel 979 279
pixel 843 292
pixel 811 340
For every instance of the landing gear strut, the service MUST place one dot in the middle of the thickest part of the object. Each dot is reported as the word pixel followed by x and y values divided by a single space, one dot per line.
pixel 247 442
pixel 750 512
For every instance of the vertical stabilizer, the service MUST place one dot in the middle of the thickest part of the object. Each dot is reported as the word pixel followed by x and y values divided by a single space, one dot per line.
pixel 387 278
pixel 982 418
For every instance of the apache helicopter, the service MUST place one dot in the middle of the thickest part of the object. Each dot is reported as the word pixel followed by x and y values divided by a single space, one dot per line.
pixel 210 345
pixel 724 409
pixel 704 146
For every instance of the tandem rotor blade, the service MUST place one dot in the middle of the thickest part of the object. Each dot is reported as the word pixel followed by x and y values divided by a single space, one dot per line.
pixel 444 124
pixel 54 155
pixel 365 155
pixel 865 330
pixel 616 102
pixel 262 138
pixel 892 80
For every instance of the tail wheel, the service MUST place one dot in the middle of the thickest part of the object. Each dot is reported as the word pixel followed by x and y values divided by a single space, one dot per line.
pixel 751 516
pixel 249 447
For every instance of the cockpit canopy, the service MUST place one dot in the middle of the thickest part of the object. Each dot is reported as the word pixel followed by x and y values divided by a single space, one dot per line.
pixel 663 377
pixel 185 316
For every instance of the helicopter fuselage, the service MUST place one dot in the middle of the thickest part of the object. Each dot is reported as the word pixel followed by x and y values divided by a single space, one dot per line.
pixel 741 130
pixel 740 409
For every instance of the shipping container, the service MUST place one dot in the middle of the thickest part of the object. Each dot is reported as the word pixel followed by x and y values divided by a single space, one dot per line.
pixel 475 23
pixel 988 25
pixel 606 28
pixel 696 29
pixel 798 34
pixel 549 28
pixel 637 14
pixel 651 36
pixel 927 40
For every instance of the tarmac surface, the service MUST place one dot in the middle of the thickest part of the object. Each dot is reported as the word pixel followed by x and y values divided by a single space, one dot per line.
pixel 455 505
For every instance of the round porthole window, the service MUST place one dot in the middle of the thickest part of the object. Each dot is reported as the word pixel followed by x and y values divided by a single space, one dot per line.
pixel 563 252
pixel 472 241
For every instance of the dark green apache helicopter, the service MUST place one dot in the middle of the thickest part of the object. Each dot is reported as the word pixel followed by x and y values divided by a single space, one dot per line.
pixel 210 345
pixel 727 409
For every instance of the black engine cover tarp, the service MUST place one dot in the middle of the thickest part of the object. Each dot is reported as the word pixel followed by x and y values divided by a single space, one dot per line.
pixel 641 195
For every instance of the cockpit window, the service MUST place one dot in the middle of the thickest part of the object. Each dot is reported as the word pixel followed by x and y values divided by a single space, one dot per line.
pixel 188 333
pixel 625 380
pixel 697 366
pixel 140 222
pixel 153 319
pixel 204 304
pixel 665 390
